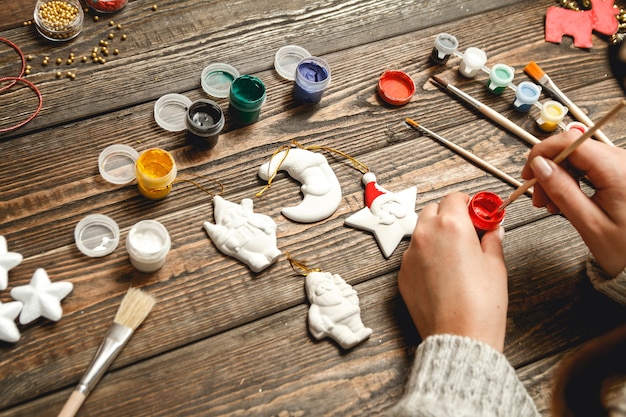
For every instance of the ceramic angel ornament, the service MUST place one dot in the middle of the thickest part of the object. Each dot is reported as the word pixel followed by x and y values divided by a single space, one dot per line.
pixel 243 234
pixel 390 216
pixel 334 310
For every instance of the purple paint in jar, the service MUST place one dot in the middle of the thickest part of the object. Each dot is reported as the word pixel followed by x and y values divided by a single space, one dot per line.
pixel 312 77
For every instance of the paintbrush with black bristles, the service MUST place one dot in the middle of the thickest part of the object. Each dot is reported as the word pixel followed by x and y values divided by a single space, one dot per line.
pixel 135 307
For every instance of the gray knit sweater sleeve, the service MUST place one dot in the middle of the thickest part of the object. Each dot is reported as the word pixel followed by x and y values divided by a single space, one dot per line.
pixel 458 376
pixel 613 287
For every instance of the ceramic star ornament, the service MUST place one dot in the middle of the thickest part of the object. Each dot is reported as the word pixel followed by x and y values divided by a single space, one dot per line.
pixel 8 313
pixel 41 297
pixel 8 260
pixel 390 216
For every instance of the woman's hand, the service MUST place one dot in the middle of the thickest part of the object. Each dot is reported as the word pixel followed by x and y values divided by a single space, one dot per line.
pixel 601 218
pixel 451 281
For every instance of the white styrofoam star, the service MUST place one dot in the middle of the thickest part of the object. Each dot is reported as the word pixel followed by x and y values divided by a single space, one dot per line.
pixel 390 216
pixel 7 261
pixel 8 313
pixel 41 297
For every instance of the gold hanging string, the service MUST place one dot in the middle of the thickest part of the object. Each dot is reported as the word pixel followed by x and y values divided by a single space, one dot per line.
pixel 191 181
pixel 357 164
pixel 301 265
pixel 273 174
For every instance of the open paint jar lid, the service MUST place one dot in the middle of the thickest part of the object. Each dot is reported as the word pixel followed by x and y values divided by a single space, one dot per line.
pixel 217 78
pixel 396 87
pixel 170 111
pixel 287 58
pixel 97 235
pixel 116 164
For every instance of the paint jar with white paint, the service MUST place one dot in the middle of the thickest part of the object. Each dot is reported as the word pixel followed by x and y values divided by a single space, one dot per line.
pixel 148 244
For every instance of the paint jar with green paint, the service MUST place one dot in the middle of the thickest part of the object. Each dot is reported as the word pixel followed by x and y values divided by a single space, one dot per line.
pixel 246 97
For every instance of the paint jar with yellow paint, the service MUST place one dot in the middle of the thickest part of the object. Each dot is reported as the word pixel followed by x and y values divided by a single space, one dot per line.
pixel 156 171
pixel 552 113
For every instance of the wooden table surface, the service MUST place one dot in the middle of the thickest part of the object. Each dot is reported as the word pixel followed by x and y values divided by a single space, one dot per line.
pixel 223 340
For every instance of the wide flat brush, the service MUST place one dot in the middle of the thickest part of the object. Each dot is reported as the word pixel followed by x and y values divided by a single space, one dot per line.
pixel 486 110
pixel 135 307
pixel 564 154
pixel 535 72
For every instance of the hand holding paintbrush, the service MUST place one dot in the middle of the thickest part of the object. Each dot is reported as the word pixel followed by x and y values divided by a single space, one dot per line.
pixel 134 308
pixel 564 154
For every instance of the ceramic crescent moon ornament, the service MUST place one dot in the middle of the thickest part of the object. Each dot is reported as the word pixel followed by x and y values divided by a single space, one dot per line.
pixel 320 187
pixel 390 216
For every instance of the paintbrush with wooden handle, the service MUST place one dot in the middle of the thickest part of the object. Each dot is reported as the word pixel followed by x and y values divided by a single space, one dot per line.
pixel 535 72
pixel 564 154
pixel 135 307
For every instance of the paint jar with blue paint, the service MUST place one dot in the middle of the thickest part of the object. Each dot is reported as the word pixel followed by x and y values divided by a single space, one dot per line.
pixel 526 96
pixel 246 97
pixel 552 113
pixel 474 59
pixel 204 122
pixel 312 77
pixel 445 46
pixel 500 77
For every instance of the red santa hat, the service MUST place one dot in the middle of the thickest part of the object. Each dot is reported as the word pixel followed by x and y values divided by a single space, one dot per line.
pixel 372 189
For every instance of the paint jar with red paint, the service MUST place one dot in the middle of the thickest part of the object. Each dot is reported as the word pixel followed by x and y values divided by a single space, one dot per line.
pixel 483 210
pixel 396 87
pixel 107 6
pixel 312 78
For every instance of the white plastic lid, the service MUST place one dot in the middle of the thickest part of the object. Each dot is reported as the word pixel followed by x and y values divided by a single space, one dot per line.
pixel 170 112
pixel 287 58
pixel 217 78
pixel 117 164
pixel 97 235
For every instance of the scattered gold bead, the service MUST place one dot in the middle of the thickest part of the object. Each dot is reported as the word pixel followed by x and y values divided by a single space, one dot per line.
pixel 44 62
pixel 154 8
pixel 83 59
pixel 111 23
pixel 124 37
pixel 69 61
pixel 59 74
pixel 116 51
pixel 58 61
pixel 26 71
pixel 28 67
pixel 72 56
pixel 111 35
pixel 96 18
pixel 29 57
pixel 119 26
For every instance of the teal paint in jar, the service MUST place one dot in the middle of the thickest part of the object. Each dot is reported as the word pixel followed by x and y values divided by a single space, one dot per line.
pixel 246 97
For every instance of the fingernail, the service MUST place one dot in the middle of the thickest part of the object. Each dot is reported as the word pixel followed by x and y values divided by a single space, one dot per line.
pixel 541 168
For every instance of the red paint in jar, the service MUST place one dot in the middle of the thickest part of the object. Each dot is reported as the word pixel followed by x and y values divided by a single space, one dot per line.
pixel 483 210
pixel 107 6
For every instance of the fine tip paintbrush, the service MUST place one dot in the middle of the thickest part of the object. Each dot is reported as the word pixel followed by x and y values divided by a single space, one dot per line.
pixel 134 308
pixel 564 154
pixel 535 72
pixel 486 110
pixel 466 154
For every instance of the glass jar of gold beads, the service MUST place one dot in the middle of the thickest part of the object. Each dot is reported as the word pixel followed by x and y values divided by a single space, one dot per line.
pixel 58 20
pixel 107 6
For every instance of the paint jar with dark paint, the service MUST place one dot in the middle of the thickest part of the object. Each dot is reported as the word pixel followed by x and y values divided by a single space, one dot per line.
pixel 246 97
pixel 445 46
pixel 483 210
pixel 204 121
pixel 312 77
